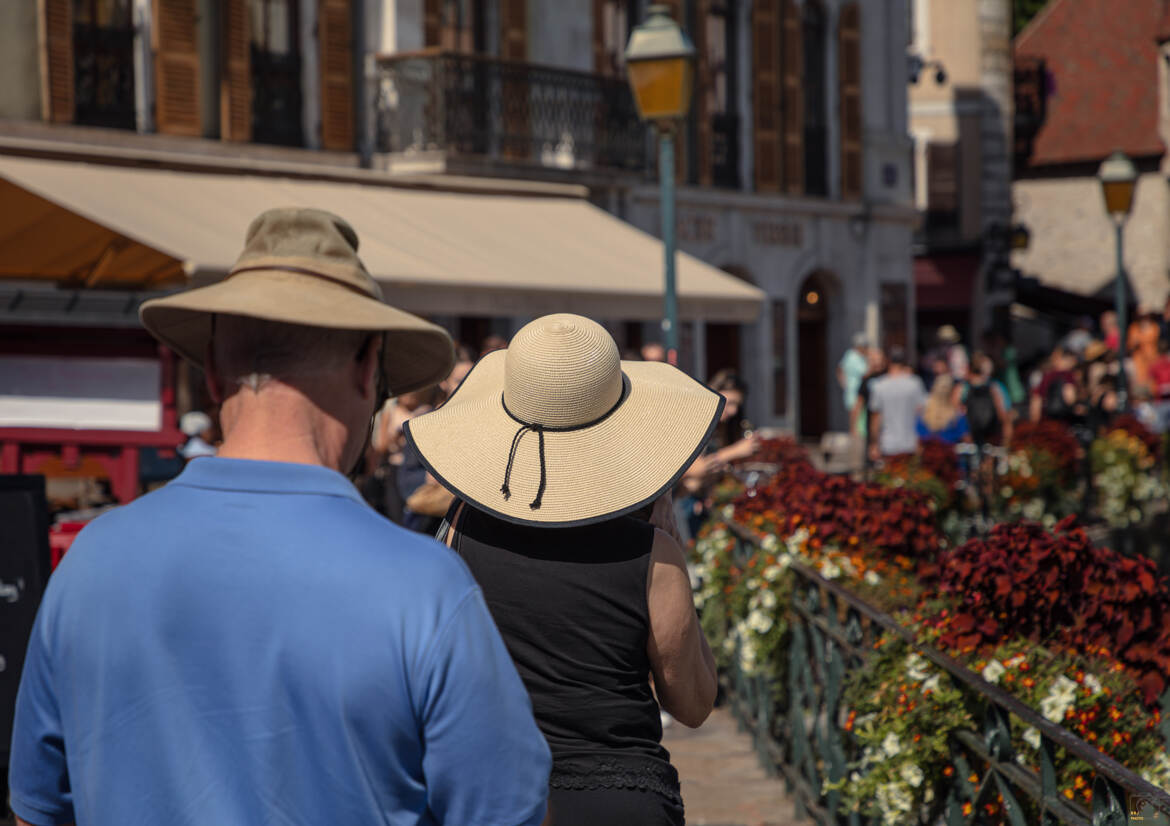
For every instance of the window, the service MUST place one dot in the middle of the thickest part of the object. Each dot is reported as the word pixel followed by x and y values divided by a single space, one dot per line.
pixel 942 186
pixel 720 91
pixel 612 20
pixel 103 63
pixel 816 125
pixel 276 72
pixel 780 358
pixel 894 315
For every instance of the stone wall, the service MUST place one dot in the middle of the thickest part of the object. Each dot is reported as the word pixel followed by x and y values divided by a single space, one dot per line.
pixel 1072 243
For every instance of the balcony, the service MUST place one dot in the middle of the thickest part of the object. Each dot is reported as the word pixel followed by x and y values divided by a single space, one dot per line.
pixel 476 108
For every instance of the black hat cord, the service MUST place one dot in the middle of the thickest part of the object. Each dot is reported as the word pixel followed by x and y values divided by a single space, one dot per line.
pixel 539 430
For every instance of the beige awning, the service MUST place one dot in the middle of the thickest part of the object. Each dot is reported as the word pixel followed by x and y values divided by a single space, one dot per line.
pixel 436 252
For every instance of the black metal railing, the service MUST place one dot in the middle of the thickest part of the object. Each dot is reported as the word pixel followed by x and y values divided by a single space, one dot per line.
pixel 799 730
pixel 464 104
pixel 103 60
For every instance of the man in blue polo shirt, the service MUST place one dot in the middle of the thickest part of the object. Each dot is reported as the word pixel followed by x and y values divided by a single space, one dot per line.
pixel 252 643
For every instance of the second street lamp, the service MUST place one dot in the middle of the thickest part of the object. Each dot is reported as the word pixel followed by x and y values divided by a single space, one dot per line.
pixel 660 61
pixel 1118 178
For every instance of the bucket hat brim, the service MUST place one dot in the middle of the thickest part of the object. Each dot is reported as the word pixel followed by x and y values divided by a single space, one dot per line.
pixel 627 460
pixel 417 353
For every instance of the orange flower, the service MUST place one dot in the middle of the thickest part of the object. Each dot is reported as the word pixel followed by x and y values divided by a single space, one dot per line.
pixel 967 808
pixel 949 771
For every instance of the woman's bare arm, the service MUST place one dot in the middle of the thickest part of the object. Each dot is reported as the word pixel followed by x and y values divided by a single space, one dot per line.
pixel 682 662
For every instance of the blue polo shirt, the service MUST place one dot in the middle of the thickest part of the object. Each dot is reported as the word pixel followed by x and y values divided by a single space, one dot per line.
pixel 253 644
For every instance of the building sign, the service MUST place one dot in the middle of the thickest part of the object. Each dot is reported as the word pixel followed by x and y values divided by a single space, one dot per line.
pixel 777 233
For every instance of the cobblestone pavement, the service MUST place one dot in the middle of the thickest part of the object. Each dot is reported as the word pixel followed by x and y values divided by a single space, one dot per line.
pixel 722 782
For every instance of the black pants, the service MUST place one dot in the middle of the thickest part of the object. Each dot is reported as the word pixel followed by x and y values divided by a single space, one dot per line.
pixel 612 807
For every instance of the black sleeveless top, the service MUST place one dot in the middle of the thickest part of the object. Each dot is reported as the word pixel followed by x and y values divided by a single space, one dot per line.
pixel 570 604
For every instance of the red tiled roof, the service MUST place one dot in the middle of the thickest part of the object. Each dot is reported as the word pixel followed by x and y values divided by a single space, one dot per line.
pixel 1103 69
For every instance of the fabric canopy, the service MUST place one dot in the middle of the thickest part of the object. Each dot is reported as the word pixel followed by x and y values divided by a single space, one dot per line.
pixel 435 252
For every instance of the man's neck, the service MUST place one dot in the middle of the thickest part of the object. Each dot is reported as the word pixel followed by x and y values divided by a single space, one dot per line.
pixel 279 424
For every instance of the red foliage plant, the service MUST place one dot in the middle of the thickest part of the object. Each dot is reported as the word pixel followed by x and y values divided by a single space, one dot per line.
pixel 1051 437
pixel 940 458
pixel 1133 426
pixel 1058 589
pixel 840 512
pixel 783 451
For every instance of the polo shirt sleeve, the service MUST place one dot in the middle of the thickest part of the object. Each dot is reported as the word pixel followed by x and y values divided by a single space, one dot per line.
pixel 485 761
pixel 38 778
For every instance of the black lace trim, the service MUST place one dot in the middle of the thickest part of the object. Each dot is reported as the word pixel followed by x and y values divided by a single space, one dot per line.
pixel 645 774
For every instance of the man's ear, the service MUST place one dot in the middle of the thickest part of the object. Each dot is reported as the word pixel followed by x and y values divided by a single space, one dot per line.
pixel 368 365
pixel 211 376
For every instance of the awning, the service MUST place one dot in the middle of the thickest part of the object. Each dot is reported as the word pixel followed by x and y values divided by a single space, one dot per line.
pixel 945 281
pixel 435 252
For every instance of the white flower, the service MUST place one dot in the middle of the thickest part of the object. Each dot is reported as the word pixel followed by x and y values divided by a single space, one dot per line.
pixel 830 569
pixel 993 671
pixel 872 578
pixel 1053 708
pixel 767 600
pixel 770 543
pixel 728 512
pixel 1064 689
pixel 760 622
pixel 1093 684
pixel 1032 737
pixel 931 685
pixel 916 667
pixel 891 745
pixel 912 775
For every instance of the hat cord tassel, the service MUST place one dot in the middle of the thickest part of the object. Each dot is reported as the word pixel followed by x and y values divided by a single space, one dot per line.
pixel 504 488
pixel 511 459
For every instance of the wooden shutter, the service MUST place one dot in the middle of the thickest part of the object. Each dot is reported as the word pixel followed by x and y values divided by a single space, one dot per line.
pixel 176 67
pixel 792 48
pixel 514 29
pixel 235 88
pixel 849 75
pixel 766 77
pixel 703 94
pixel 432 22
pixel 57 83
pixel 335 38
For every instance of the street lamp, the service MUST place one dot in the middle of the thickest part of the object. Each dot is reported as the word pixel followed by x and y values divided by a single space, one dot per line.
pixel 660 61
pixel 1118 180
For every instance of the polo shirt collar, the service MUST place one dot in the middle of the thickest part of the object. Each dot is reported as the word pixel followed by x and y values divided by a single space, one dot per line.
pixel 254 476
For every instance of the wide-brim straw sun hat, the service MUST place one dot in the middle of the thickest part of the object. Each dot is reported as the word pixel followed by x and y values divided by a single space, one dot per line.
pixel 300 266
pixel 558 431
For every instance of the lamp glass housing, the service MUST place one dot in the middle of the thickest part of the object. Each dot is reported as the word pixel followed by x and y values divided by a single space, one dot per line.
pixel 1118 178
pixel 662 87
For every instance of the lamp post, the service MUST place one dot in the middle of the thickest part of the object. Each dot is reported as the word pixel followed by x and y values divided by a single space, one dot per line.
pixel 1118 179
pixel 660 62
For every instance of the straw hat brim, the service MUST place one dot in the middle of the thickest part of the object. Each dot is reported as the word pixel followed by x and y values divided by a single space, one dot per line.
pixel 417 353
pixel 625 461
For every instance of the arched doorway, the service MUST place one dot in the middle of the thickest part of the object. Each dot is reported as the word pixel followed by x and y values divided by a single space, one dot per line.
pixel 812 348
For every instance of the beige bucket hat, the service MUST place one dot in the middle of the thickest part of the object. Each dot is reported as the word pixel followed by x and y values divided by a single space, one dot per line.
pixel 558 431
pixel 300 266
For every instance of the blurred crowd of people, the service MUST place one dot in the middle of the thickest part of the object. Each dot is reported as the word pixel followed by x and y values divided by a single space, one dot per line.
pixel 955 394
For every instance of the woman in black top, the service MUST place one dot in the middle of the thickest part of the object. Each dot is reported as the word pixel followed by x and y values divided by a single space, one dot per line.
pixel 551 447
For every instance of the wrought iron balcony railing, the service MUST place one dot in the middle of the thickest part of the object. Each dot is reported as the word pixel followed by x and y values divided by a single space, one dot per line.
pixel 799 728
pixel 472 105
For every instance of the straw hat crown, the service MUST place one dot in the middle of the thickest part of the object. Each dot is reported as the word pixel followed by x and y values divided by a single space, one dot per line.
pixel 562 371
